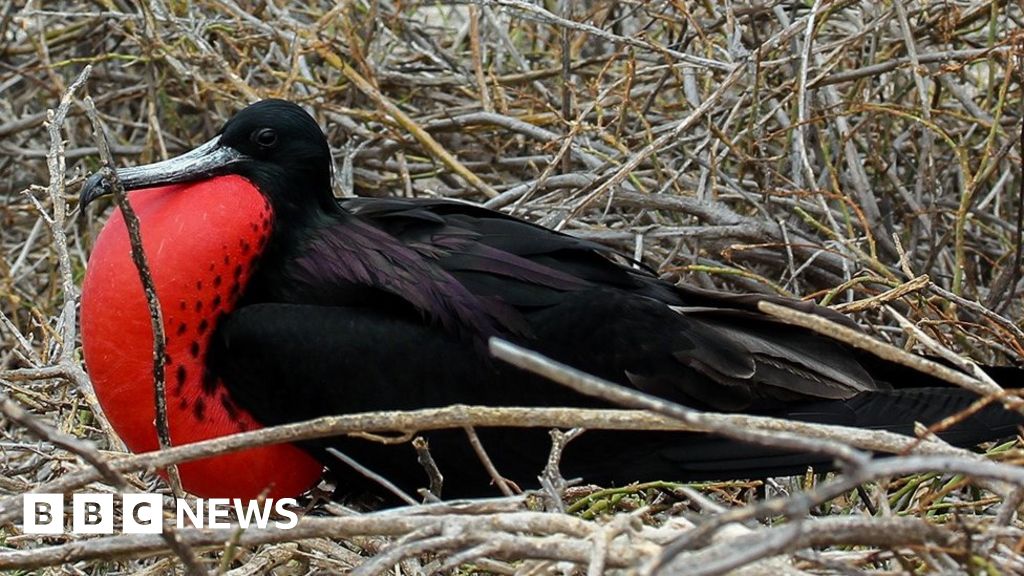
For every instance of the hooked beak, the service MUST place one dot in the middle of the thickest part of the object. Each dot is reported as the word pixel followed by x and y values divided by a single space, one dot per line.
pixel 210 159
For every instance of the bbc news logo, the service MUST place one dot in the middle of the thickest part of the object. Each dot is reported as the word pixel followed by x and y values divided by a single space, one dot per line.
pixel 144 513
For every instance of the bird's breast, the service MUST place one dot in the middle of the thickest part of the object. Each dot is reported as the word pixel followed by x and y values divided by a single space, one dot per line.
pixel 202 241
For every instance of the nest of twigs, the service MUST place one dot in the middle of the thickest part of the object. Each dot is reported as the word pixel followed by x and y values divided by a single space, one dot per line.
pixel 864 155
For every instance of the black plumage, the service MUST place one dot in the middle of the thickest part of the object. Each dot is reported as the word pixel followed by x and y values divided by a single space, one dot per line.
pixel 377 304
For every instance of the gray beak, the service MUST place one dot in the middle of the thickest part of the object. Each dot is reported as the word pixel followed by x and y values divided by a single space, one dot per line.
pixel 210 159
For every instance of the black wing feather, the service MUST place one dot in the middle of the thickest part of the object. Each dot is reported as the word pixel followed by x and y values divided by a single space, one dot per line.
pixel 545 276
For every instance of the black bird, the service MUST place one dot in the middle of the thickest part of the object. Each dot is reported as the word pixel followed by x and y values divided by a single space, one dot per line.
pixel 282 303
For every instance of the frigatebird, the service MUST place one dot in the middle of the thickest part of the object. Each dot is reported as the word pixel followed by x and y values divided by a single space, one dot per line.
pixel 282 303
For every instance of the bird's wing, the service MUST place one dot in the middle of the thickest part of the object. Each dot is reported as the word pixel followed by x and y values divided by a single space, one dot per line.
pixel 486 273
pixel 745 359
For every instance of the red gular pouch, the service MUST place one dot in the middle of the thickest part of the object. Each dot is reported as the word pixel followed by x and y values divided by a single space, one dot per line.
pixel 202 241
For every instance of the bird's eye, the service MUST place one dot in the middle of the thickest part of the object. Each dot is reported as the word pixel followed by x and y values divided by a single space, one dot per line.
pixel 264 137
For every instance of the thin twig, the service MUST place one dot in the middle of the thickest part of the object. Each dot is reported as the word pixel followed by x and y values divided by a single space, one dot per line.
pixel 881 349
pixel 131 221
pixel 617 394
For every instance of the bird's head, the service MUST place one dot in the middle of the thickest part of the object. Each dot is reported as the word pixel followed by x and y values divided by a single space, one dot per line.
pixel 274 144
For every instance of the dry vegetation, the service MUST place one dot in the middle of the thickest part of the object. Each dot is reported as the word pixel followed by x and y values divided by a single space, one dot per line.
pixel 862 154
